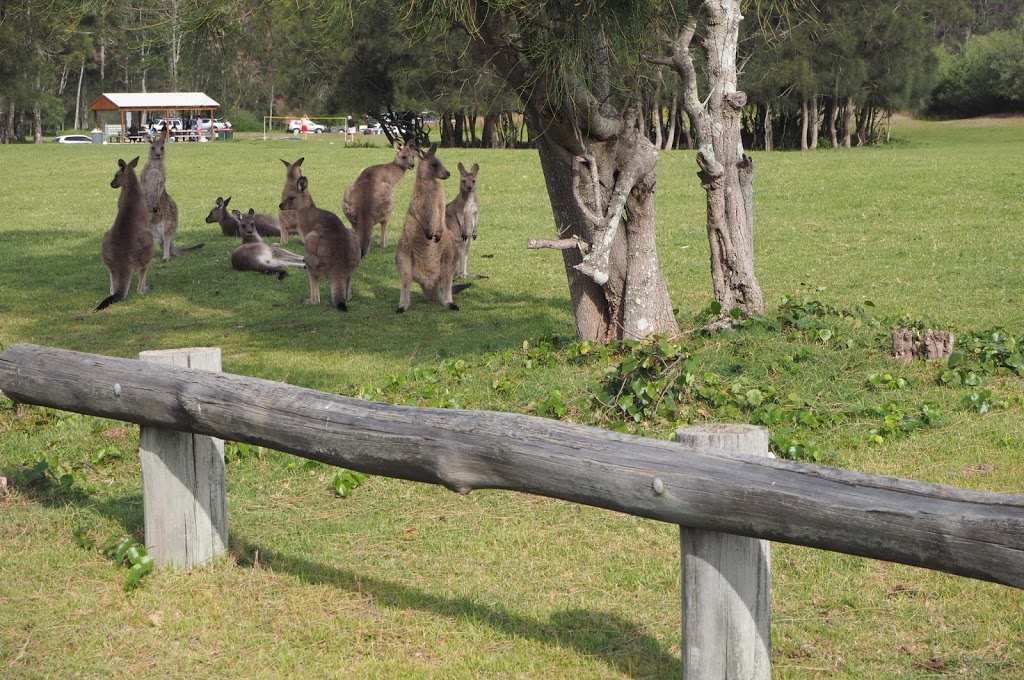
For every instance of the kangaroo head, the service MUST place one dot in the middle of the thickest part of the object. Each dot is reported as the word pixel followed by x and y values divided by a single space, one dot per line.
pixel 467 181
pixel 124 170
pixel 247 226
pixel 217 212
pixel 156 146
pixel 296 195
pixel 405 155
pixel 293 170
pixel 431 166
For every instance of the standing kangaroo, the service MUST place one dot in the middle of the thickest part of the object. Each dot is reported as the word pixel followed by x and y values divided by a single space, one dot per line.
pixel 368 201
pixel 427 251
pixel 266 225
pixel 128 245
pixel 461 217
pixel 287 219
pixel 257 256
pixel 332 249
pixel 163 211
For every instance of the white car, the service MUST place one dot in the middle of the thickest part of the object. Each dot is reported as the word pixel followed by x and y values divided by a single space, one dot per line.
pixel 73 139
pixel 295 127
pixel 218 124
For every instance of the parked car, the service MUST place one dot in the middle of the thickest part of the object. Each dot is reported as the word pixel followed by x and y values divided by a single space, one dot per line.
pixel 73 139
pixel 295 127
pixel 372 129
pixel 218 124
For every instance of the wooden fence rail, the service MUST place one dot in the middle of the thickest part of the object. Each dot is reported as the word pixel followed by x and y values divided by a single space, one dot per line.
pixel 969 533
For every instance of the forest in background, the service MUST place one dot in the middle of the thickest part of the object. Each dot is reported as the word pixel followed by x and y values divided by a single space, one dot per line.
pixel 826 74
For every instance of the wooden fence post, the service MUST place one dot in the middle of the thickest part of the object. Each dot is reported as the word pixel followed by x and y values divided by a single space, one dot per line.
pixel 184 496
pixel 725 580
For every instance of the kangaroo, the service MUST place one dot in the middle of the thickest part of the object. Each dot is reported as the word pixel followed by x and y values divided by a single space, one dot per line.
pixel 163 211
pixel 426 250
pixel 266 225
pixel 460 217
pixel 368 200
pixel 257 256
pixel 128 245
pixel 332 249
pixel 293 171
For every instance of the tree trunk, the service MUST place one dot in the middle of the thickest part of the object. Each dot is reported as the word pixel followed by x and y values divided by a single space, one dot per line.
pixel 815 120
pixel 804 123
pixel 833 114
pixel 673 115
pixel 624 294
pixel 769 133
pixel 599 170
pixel 726 172
pixel 79 119
pixel 37 123
pixel 848 118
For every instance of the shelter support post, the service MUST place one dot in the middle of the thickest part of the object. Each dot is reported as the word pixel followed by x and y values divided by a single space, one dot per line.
pixel 184 494
pixel 725 580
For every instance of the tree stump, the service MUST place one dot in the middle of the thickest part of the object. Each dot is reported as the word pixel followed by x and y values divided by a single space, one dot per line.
pixel 933 345
pixel 726 580
pixel 184 497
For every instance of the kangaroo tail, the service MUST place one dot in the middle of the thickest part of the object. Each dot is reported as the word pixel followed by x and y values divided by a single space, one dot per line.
pixel 116 297
pixel 178 252
pixel 459 287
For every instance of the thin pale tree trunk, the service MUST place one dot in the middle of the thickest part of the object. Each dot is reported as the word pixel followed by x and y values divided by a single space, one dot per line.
pixel 816 121
pixel 804 123
pixel 726 172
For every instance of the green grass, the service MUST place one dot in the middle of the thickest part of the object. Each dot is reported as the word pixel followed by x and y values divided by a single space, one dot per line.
pixel 406 580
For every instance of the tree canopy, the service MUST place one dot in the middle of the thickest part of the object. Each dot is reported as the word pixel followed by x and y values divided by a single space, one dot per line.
pixel 336 58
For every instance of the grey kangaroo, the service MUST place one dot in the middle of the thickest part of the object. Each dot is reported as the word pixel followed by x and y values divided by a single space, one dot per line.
pixel 163 211
pixel 332 249
pixel 368 201
pixel 287 219
pixel 461 217
pixel 128 245
pixel 257 256
pixel 426 251
pixel 266 225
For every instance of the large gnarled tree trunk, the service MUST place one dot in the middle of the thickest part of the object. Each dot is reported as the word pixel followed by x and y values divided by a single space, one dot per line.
pixel 599 169
pixel 726 172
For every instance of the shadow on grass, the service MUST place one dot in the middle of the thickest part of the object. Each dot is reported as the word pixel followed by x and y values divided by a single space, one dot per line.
pixel 618 642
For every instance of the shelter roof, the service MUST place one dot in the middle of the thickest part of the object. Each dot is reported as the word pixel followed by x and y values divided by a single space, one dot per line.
pixel 157 101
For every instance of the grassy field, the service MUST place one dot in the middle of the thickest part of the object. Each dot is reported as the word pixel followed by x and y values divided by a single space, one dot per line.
pixel 405 580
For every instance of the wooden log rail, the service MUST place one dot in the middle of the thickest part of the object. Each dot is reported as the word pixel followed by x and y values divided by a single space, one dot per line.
pixel 970 533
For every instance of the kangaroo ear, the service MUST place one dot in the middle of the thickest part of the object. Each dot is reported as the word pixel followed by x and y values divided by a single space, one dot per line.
pixel 219 202
pixel 303 184
pixel 226 201
pixel 251 212
pixel 399 145
pixel 476 168
pixel 286 163
pixel 462 168
pixel 298 163
pixel 237 214
pixel 120 163
pixel 134 162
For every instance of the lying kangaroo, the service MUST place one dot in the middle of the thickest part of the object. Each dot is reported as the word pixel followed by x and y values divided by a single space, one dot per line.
pixel 255 255
pixel 163 211
pixel 128 245
pixel 368 201
pixel 266 225
pixel 427 251
pixel 461 217
pixel 287 220
pixel 332 249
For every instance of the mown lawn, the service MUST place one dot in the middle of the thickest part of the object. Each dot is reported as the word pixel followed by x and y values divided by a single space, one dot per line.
pixel 407 580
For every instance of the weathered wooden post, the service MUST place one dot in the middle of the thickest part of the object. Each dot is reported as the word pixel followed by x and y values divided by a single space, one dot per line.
pixel 725 580
pixel 183 485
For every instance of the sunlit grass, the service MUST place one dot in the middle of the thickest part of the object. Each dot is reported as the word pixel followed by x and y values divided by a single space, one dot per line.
pixel 405 580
